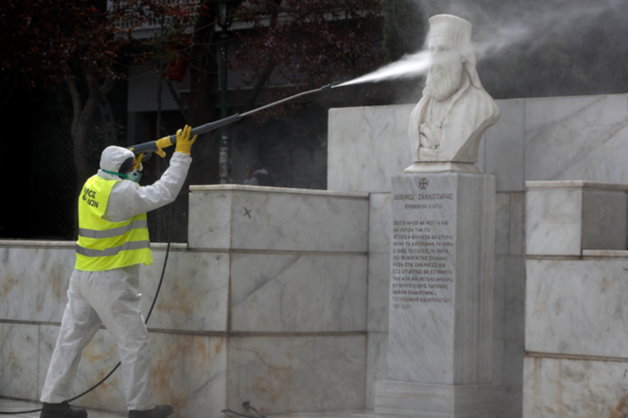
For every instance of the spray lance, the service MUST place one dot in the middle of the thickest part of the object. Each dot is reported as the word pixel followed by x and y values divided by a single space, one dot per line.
pixel 147 148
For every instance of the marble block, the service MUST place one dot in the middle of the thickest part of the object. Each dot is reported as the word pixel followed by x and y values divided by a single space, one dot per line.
pixel 517 241
pixel 576 138
pixel 377 348
pixel 194 294
pixel 379 223
pixel 514 295
pixel 441 292
pixel 376 138
pixel 34 282
pixel 297 374
pixel 277 219
pixel 298 292
pixel 577 306
pixel 574 388
pixel 188 372
pixel 504 143
pixel 421 400
pixel 378 292
pixel 18 370
pixel 502 223
pixel 566 217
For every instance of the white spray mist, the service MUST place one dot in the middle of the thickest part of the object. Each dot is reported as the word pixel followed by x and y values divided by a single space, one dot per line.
pixel 527 31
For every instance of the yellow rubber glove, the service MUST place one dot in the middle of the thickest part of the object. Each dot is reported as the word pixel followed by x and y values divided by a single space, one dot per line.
pixel 184 143
pixel 161 144
pixel 138 161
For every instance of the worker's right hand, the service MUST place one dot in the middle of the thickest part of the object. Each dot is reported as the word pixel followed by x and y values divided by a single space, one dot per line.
pixel 184 143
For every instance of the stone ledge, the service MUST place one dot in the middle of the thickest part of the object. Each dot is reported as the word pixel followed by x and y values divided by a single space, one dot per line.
pixel 276 190
pixel 605 253
pixel 576 184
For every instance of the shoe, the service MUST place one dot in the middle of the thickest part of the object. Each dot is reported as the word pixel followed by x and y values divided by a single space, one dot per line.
pixel 61 410
pixel 160 411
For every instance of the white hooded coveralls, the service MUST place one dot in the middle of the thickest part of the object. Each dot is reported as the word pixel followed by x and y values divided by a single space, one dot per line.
pixel 113 297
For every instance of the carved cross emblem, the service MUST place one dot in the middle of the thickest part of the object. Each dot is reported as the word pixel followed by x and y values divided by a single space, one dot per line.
pixel 423 183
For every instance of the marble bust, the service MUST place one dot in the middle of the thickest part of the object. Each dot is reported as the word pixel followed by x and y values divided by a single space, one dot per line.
pixel 447 124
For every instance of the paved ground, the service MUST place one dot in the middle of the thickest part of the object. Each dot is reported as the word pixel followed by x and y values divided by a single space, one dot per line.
pixel 10 405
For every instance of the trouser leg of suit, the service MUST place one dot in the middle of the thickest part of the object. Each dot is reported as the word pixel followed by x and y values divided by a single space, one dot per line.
pixel 78 326
pixel 115 296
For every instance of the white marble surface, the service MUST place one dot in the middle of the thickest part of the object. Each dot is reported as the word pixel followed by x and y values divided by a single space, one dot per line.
pixel 376 140
pixel 567 220
pixel 556 138
pixel 379 223
pixel 574 388
pixel 297 374
pixel 378 292
pixel 502 223
pixel 241 218
pixel 18 365
pixel 33 283
pixel 514 294
pixel 194 293
pixel 376 367
pixel 576 138
pixel 509 223
pixel 298 293
pixel 445 337
pixel 188 371
pixel 577 307
pixel 504 144
pixel 193 296
pixel 499 297
pixel 554 222
pixel 517 239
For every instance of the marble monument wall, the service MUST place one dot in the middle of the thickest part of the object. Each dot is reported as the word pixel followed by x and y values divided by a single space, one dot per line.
pixel 266 303
pixel 561 138
pixel 576 291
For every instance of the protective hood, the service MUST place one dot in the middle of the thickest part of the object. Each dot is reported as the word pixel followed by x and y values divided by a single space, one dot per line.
pixel 113 156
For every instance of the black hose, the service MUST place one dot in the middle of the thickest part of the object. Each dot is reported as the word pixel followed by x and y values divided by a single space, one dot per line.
pixel 150 311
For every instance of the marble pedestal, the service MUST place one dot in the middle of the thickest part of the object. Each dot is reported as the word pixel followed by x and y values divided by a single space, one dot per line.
pixel 441 284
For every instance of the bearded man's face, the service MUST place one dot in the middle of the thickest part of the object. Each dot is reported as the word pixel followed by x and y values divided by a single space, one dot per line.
pixel 445 74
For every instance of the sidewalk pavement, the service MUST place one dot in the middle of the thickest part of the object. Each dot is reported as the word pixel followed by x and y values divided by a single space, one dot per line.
pixel 10 405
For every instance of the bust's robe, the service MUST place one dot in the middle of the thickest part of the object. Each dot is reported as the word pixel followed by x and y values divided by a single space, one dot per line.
pixel 472 112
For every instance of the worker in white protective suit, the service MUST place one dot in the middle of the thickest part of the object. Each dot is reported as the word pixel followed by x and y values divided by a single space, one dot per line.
pixel 104 287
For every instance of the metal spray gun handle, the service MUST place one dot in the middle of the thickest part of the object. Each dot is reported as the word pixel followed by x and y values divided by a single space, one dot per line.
pixel 147 148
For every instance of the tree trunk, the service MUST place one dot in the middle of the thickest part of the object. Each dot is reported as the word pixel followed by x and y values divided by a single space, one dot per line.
pixel 82 118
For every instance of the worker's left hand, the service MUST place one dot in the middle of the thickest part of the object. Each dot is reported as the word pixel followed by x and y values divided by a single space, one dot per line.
pixel 161 144
pixel 184 143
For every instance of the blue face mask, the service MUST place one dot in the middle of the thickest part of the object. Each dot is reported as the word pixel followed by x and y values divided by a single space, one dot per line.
pixel 134 175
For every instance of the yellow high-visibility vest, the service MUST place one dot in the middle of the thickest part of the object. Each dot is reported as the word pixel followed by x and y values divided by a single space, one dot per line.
pixel 104 245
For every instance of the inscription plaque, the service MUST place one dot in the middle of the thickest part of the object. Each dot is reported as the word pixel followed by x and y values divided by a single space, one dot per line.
pixel 422 249
pixel 440 291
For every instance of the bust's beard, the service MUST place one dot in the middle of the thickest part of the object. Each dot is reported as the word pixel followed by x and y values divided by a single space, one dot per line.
pixel 441 83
